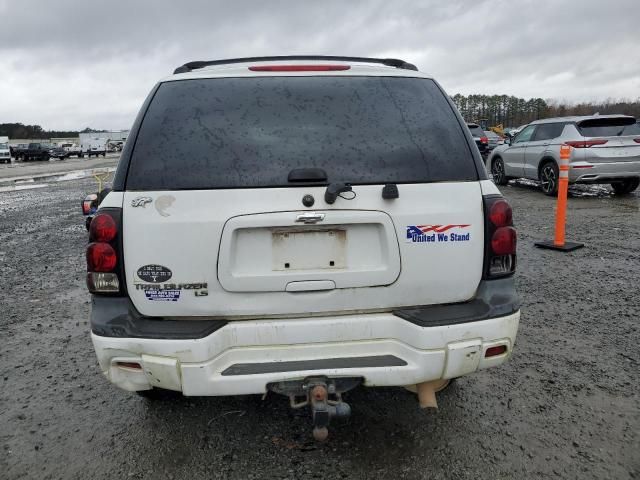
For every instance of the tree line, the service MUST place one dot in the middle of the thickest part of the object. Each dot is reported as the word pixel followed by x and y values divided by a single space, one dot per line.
pixel 507 110
pixel 18 130
pixel 512 111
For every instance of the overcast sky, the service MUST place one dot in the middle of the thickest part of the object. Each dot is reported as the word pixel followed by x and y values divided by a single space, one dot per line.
pixel 72 64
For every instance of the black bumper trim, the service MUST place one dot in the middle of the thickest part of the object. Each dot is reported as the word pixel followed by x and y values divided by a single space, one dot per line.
pixel 117 317
pixel 494 298
pixel 322 364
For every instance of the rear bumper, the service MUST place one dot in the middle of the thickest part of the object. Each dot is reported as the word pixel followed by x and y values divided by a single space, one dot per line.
pixel 587 172
pixel 219 357
pixel 244 356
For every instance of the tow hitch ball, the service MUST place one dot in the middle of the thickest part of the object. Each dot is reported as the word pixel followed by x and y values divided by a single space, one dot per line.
pixel 323 409
pixel 322 395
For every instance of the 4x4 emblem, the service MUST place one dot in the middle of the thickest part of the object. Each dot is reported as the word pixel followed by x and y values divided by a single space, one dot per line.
pixel 141 201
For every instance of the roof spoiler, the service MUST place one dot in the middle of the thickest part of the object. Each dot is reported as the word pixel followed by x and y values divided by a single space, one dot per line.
pixel 389 62
pixel 607 120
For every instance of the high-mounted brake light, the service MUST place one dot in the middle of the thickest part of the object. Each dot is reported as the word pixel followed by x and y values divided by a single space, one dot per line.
pixel 299 68
pixel 586 143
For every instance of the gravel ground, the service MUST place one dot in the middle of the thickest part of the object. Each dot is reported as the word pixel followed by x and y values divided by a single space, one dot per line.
pixel 17 169
pixel 565 406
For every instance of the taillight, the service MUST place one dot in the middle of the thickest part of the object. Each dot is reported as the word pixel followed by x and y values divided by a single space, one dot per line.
pixel 586 143
pixel 484 140
pixel 299 68
pixel 103 228
pixel 500 238
pixel 104 253
pixel 503 241
pixel 101 257
pixel 637 140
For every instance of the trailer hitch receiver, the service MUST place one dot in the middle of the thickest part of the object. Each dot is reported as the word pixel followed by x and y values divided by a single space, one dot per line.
pixel 323 396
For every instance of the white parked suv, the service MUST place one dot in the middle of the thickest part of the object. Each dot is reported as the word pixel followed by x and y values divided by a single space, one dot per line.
pixel 300 225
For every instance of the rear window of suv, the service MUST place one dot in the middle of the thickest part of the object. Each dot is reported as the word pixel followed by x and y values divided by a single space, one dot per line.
pixel 606 127
pixel 251 132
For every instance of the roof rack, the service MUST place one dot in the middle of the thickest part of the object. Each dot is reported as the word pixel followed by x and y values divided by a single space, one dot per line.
pixel 389 62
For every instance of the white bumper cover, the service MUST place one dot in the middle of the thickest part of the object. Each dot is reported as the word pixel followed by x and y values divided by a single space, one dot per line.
pixel 213 365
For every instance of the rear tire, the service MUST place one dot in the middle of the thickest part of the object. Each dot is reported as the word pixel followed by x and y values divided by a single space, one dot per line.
pixel 498 172
pixel 626 186
pixel 548 176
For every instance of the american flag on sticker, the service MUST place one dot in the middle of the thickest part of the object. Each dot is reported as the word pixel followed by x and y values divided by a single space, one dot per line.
pixel 419 233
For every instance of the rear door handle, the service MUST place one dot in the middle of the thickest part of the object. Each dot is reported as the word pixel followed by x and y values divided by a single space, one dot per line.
pixel 310 217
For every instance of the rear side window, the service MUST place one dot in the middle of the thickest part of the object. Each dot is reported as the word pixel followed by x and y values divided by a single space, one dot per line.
pixel 605 127
pixel 548 131
pixel 251 132
pixel 632 129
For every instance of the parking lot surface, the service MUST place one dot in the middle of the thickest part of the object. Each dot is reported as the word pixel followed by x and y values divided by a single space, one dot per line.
pixel 37 168
pixel 565 406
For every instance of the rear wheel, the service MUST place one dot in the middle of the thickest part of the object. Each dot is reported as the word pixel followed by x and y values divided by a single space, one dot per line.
pixel 45 157
pixel 498 173
pixel 549 179
pixel 626 186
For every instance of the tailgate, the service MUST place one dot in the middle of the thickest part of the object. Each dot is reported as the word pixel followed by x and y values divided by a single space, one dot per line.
pixel 218 253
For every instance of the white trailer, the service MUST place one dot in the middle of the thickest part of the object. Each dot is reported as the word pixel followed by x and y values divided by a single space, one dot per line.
pixel 93 144
pixel 98 143
pixel 5 153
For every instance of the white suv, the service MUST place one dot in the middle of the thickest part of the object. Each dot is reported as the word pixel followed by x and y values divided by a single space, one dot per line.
pixel 301 225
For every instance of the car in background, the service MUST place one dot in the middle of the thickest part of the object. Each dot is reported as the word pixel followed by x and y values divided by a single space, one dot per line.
pixel 40 151
pixel 72 149
pixel 5 153
pixel 606 149
pixel 494 139
pixel 14 149
pixel 480 137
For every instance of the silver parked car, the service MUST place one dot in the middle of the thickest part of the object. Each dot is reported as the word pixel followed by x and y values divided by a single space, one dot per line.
pixel 606 150
pixel 494 139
